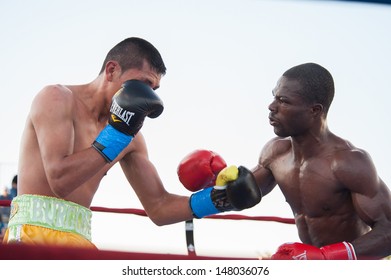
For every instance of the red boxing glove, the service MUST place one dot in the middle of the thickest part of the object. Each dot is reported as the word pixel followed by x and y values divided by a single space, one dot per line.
pixel 199 169
pixel 300 251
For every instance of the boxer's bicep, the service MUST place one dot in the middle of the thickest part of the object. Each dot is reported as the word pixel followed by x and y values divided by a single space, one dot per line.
pixel 370 197
pixel 51 118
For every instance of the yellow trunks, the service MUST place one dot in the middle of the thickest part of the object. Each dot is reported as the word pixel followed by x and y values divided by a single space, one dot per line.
pixel 44 220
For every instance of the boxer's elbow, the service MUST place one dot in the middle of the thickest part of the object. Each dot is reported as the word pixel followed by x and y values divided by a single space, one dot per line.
pixel 58 182
pixel 170 209
pixel 158 217
pixel 57 187
pixel 159 222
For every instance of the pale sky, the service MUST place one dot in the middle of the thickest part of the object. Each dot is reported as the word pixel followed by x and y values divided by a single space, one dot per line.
pixel 223 57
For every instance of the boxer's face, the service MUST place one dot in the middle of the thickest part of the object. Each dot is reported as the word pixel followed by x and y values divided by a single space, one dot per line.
pixel 289 114
pixel 116 77
pixel 146 74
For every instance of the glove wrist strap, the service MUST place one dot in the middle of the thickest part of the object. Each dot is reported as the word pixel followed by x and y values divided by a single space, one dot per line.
pixel 201 203
pixel 339 251
pixel 111 142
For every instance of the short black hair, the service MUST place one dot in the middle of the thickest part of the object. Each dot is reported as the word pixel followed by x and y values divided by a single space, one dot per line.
pixel 132 52
pixel 317 83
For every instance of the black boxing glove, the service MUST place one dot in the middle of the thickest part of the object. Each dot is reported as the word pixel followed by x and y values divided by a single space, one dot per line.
pixel 232 192
pixel 130 105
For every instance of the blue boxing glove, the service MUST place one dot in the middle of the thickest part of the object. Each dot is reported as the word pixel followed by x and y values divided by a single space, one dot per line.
pixel 130 105
pixel 236 189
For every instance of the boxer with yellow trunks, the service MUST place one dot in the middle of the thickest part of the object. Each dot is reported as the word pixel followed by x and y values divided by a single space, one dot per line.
pixel 74 134
pixel 44 220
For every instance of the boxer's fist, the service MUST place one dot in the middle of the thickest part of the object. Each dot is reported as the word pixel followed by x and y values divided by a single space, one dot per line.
pixel 199 169
pixel 239 192
pixel 300 251
pixel 243 192
pixel 226 175
pixel 130 105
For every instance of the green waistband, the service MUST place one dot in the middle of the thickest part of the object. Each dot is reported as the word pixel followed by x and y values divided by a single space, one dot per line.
pixel 51 212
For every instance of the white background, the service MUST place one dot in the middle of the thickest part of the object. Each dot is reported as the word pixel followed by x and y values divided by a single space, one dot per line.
pixel 223 59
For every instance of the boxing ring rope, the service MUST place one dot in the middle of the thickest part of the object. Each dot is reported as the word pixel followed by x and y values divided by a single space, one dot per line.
pixel 12 251
pixel 219 216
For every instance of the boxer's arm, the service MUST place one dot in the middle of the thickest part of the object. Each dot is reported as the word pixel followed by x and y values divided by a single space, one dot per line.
pixel 66 168
pixel 161 206
pixel 262 172
pixel 264 179
pixel 371 199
